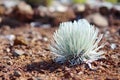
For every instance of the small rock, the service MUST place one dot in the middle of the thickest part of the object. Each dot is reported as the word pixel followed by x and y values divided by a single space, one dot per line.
pixel 20 40
pixel 107 34
pixel 42 11
pixel 117 7
pixel 35 24
pixel 8 50
pixel 10 3
pixel 18 52
pixel 57 7
pixel 41 54
pixel 45 39
pixel 25 8
pixel 10 37
pixel 63 17
pixel 10 63
pixel 17 73
pixel 6 57
pixel 98 20
pixel 113 46
pixel 22 57
pixel 80 73
pixel 79 7
pixel 46 26
pixel 67 69
pixel 24 11
pixel 60 59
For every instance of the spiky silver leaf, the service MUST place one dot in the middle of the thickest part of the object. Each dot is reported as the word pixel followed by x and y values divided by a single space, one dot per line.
pixel 77 42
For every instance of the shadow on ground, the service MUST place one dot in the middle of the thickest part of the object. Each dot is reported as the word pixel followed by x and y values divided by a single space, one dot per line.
pixel 43 66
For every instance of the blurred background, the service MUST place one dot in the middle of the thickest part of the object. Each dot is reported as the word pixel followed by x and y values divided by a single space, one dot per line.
pixel 49 13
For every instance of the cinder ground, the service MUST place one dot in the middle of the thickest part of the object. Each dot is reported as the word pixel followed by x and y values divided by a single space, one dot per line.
pixel 36 62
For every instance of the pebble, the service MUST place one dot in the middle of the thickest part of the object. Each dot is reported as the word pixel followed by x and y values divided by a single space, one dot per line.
pixel 107 34
pixel 17 73
pixel 45 26
pixel 10 37
pixel 10 3
pixel 45 39
pixel 8 50
pixel 25 8
pixel 18 52
pixel 58 7
pixel 10 63
pixel 60 60
pixel 113 46
pixel 20 40
pixel 98 20
pixel 79 7
pixel 42 11
pixel 117 7
pixel 6 57
pixel 80 73
pixel 35 24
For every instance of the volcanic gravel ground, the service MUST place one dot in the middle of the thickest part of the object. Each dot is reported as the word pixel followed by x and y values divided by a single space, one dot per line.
pixel 36 62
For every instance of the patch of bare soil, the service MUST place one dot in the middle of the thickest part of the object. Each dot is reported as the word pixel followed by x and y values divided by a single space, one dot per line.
pixel 29 58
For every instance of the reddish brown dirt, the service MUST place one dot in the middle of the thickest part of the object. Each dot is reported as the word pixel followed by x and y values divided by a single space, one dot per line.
pixel 36 63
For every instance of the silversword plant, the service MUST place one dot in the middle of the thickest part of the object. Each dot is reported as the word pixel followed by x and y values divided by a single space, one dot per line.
pixel 76 42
